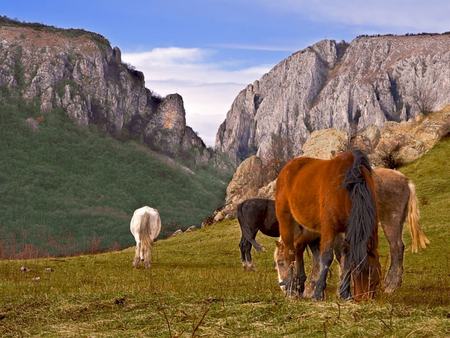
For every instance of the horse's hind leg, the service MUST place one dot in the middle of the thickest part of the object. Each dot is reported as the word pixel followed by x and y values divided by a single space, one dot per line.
pixel 147 256
pixel 246 256
pixel 241 248
pixel 137 258
pixel 393 232
pixel 326 258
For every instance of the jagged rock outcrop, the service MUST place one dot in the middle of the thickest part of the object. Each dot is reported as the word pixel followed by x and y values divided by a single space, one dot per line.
pixel 338 85
pixel 245 183
pixel 79 72
pixel 394 144
pixel 405 142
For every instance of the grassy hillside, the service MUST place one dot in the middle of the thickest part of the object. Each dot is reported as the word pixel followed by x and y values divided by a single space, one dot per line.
pixel 196 286
pixel 65 189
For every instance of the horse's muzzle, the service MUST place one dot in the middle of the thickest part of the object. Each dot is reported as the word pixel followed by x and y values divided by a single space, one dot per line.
pixel 283 283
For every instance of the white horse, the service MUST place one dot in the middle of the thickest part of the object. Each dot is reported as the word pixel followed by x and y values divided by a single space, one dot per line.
pixel 145 226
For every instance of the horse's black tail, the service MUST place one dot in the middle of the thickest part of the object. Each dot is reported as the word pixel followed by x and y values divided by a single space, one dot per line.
pixel 245 229
pixel 363 219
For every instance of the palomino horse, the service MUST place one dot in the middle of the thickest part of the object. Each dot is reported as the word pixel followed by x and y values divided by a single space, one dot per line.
pixel 145 226
pixel 329 198
pixel 397 202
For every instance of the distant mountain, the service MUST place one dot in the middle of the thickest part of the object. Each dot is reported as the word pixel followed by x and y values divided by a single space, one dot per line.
pixel 79 72
pixel 83 144
pixel 347 86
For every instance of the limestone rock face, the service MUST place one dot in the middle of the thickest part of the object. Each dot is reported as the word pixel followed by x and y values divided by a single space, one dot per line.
pixel 79 72
pixel 396 143
pixel 348 87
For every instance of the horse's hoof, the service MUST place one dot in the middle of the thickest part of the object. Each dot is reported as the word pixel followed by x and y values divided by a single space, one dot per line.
pixel 248 266
pixel 390 287
pixel 309 291
pixel 293 295
pixel 346 298
pixel 318 297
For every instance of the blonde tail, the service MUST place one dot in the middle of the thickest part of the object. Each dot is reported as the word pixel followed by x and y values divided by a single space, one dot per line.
pixel 418 238
pixel 144 235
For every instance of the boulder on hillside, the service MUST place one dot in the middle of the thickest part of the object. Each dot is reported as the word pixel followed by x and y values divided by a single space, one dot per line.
pixel 405 142
pixel 191 228
pixel 267 191
pixel 245 183
pixel 176 233
pixel 325 143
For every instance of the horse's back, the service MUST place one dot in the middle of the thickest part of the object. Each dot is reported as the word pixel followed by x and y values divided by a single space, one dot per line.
pixel 138 221
pixel 393 193
pixel 311 189
pixel 258 214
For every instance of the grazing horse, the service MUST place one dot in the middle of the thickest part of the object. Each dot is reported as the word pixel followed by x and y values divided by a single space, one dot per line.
pixel 329 198
pixel 397 202
pixel 145 226
pixel 256 214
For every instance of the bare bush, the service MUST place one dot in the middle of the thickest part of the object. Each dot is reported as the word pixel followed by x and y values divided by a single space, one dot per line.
pixel 280 152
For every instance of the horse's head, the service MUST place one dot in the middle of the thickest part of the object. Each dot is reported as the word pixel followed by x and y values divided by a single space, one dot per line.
pixel 283 264
pixel 366 282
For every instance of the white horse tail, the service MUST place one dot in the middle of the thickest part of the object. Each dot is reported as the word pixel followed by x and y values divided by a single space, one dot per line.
pixel 418 238
pixel 145 234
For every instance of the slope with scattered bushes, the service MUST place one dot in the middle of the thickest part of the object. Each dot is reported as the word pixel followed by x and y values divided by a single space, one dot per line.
pixel 66 189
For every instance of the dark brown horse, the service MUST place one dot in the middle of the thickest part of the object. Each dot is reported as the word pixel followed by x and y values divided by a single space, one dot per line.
pixel 330 198
pixel 256 214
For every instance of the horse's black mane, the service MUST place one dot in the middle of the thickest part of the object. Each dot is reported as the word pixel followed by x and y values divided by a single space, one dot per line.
pixel 362 219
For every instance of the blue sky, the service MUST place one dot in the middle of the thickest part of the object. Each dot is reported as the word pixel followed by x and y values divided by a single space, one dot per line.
pixel 208 50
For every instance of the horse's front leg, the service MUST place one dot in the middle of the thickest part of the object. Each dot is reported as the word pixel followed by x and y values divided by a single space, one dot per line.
pixel 148 255
pixel 315 269
pixel 326 258
pixel 344 281
pixel 341 251
pixel 300 267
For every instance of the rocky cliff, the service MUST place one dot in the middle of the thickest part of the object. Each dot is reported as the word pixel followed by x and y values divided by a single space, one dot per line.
pixel 79 72
pixel 393 145
pixel 338 85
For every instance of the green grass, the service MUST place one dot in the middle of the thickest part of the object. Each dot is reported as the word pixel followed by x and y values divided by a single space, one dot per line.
pixel 196 285
pixel 66 189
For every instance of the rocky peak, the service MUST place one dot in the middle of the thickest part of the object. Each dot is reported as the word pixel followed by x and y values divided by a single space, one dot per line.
pixel 346 86
pixel 79 72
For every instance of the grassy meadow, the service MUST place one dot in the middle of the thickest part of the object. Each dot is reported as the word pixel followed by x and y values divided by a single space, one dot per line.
pixel 196 286
pixel 66 189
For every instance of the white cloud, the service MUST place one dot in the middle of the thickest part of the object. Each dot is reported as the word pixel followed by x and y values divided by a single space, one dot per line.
pixel 396 15
pixel 208 88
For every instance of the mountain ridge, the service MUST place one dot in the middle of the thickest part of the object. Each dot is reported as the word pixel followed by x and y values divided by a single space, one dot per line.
pixel 348 86
pixel 80 72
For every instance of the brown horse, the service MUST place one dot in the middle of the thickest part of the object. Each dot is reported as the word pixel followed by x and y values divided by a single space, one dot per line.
pixel 397 202
pixel 329 198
